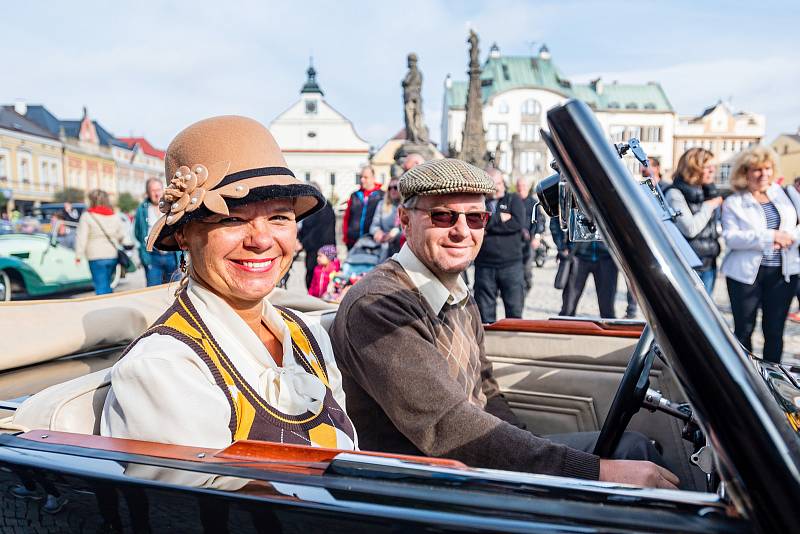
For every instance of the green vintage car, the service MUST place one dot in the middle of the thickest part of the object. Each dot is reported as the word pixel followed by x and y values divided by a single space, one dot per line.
pixel 36 265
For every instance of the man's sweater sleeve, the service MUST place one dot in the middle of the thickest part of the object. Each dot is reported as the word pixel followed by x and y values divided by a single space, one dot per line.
pixel 392 354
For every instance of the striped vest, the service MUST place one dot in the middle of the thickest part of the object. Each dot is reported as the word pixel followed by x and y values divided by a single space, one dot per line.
pixel 251 416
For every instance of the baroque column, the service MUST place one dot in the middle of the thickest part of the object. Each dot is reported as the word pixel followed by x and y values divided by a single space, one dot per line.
pixel 473 142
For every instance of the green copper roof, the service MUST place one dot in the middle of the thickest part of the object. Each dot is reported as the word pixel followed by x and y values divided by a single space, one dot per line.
pixel 504 73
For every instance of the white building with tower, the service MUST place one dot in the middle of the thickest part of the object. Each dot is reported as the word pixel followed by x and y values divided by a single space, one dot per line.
pixel 319 143
pixel 517 91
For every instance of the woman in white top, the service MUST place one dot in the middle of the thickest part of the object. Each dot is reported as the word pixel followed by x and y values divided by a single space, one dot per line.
pixel 759 225
pixel 223 363
pixel 100 232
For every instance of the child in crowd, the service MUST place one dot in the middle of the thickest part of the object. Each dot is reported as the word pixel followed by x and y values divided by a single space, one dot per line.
pixel 327 264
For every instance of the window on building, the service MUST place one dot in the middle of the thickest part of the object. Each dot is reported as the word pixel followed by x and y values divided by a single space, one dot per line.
pixel 527 161
pixel 44 174
pixel 616 133
pixel 308 177
pixel 531 107
pixel 3 167
pixel 497 131
pixel 634 131
pixel 333 178
pixel 785 151
pixel 651 134
pixel 502 107
pixel 724 145
pixel 504 162
pixel 311 107
pixel 725 173
pixel 55 178
pixel 529 132
pixel 24 169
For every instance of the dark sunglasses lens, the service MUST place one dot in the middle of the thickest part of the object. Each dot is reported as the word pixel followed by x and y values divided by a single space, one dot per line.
pixel 392 188
pixel 444 218
pixel 477 221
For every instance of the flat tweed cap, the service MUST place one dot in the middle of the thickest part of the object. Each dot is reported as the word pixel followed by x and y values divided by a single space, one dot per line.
pixel 443 177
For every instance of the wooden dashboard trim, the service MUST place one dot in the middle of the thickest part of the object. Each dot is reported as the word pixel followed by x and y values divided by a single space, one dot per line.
pixel 253 453
pixel 559 326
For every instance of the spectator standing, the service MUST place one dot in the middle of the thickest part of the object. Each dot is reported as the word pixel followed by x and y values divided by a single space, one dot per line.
pixel 591 257
pixel 361 207
pixel 653 171
pixel 316 231
pixel 759 225
pixel 100 232
pixel 159 267
pixel 498 265
pixel 385 228
pixel 795 316
pixel 695 198
pixel 532 231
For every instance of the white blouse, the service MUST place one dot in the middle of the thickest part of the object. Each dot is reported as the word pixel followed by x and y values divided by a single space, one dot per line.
pixel 162 391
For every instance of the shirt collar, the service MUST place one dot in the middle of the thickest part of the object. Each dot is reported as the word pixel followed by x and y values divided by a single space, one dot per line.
pixel 433 291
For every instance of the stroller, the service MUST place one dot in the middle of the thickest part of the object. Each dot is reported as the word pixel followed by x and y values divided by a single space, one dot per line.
pixel 362 258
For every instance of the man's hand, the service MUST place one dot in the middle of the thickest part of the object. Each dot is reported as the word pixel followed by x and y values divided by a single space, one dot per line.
pixel 637 472
pixel 782 239
pixel 379 236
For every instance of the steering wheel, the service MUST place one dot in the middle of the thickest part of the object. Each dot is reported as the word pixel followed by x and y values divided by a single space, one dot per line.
pixel 629 396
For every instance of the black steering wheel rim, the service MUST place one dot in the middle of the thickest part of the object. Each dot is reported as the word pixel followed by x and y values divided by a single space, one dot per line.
pixel 630 394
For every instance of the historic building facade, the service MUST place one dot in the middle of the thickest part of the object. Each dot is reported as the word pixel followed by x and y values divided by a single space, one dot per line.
pixel 788 148
pixel 319 143
pixel 30 161
pixel 517 91
pixel 722 131
pixel 137 162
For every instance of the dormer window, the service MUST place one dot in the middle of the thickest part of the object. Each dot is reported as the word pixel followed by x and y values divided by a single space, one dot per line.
pixel 311 107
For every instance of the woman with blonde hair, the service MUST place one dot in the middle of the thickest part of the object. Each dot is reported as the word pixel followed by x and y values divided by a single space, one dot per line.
pixel 694 197
pixel 222 363
pixel 100 233
pixel 759 225
pixel 385 228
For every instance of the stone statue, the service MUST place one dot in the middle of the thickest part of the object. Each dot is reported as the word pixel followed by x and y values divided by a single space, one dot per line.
pixel 416 131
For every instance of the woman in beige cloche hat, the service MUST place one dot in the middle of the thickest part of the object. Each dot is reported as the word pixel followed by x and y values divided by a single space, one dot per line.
pixel 222 363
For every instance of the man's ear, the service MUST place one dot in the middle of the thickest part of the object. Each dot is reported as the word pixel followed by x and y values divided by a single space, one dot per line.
pixel 403 215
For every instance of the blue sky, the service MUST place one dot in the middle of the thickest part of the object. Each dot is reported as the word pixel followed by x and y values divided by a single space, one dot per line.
pixel 151 68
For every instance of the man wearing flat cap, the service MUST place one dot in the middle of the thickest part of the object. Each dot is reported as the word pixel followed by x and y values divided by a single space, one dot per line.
pixel 409 343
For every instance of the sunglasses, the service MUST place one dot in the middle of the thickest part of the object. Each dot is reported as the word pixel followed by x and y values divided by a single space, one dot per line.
pixel 446 218
pixel 392 188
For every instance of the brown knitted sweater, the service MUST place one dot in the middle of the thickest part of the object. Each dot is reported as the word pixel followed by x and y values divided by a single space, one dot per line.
pixel 403 395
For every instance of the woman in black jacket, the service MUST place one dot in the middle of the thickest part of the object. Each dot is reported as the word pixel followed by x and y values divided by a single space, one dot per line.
pixel 694 197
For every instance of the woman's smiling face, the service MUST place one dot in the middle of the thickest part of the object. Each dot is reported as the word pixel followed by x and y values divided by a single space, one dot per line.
pixel 242 256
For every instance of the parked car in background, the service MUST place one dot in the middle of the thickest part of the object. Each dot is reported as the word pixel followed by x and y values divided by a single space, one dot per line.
pixel 36 265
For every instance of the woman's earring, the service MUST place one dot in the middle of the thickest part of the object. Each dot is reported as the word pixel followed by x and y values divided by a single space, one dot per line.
pixel 183 262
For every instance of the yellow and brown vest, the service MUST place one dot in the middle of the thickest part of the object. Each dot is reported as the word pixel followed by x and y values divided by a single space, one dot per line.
pixel 251 416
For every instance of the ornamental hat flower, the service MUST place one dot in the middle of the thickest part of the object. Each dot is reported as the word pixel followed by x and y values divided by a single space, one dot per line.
pixel 219 163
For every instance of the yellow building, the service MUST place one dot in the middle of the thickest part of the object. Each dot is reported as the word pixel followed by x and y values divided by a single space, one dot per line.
pixel 788 148
pixel 88 160
pixel 30 161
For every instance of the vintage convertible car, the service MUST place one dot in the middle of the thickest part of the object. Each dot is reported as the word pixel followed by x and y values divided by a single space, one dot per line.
pixel 38 265
pixel 726 421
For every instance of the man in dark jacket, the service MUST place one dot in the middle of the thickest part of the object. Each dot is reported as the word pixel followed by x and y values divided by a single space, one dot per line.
pixel 532 230
pixel 361 208
pixel 498 266
pixel 316 230
pixel 159 267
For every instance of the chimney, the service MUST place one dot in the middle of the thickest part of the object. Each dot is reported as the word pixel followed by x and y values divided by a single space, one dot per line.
pixel 21 107
pixel 494 51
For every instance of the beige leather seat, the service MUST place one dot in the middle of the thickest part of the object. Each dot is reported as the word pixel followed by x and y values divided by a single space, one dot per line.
pixel 72 406
pixel 77 405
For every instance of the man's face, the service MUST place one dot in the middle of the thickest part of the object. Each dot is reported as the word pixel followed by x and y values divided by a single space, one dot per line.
pixel 367 179
pixel 411 161
pixel 445 251
pixel 499 185
pixel 522 187
pixel 155 191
